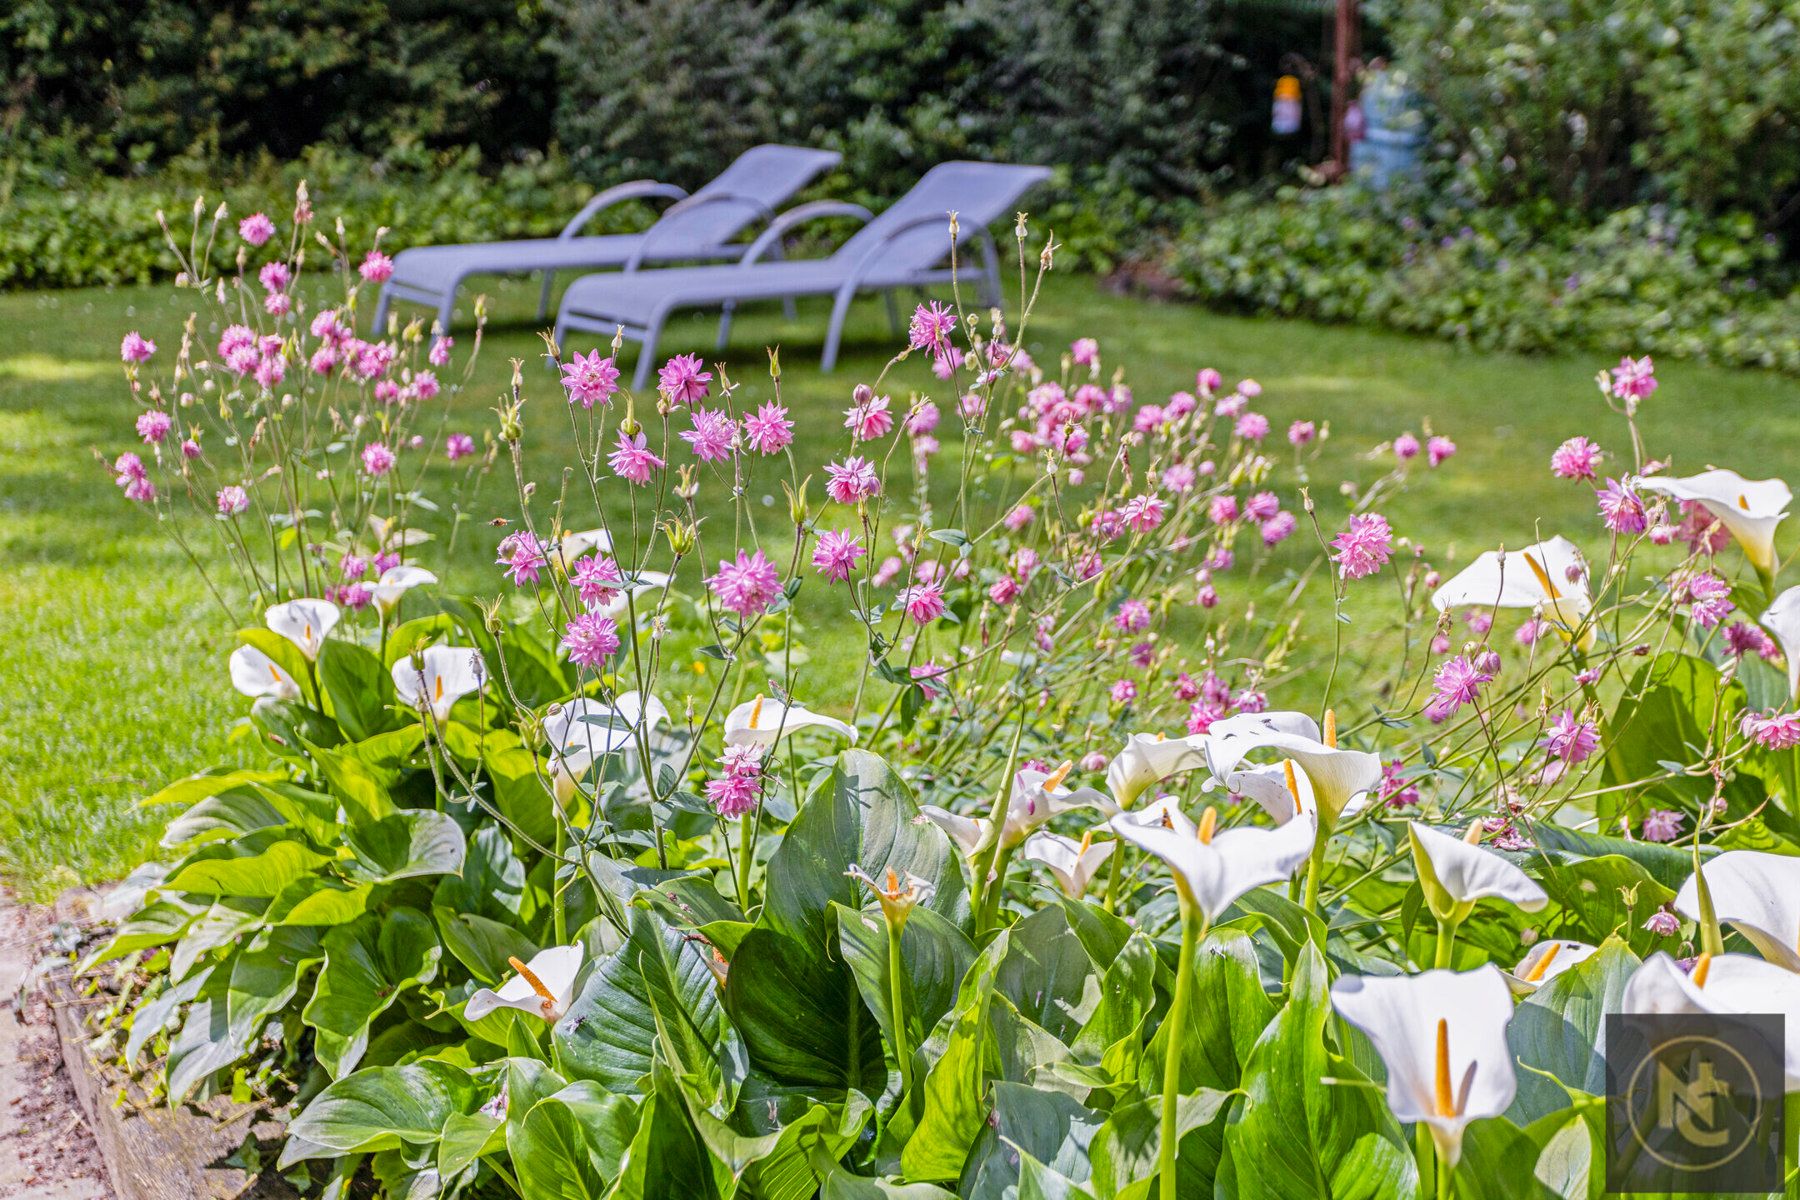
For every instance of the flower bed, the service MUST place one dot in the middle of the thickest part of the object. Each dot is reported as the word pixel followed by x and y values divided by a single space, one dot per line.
pixel 1091 874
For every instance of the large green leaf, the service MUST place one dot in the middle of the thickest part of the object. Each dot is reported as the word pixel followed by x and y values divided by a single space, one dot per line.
pixel 358 689
pixel 368 963
pixel 379 1108
pixel 666 1157
pixel 569 1145
pixel 492 880
pixel 1123 1154
pixel 266 974
pixel 790 992
pixel 409 843
pixel 205 1043
pixel 1561 1029
pixel 1298 1136
pixel 209 783
pixel 655 989
pixel 1048 975
pixel 258 864
pixel 934 956
pixel 1227 1017
pixel 1609 896
pixel 481 945
pixel 231 813
pixel 1666 716
pixel 156 924
pixel 1050 1127
pixel 955 1103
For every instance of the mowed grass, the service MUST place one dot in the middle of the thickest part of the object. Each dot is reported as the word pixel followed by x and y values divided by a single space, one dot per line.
pixel 112 676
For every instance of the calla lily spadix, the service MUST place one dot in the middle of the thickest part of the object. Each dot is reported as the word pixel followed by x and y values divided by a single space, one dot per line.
pixel 542 987
pixel 1337 776
pixel 1757 894
pixel 440 676
pixel 1073 863
pixel 1458 871
pixel 306 623
pixel 1782 620
pixel 1282 791
pixel 256 674
pixel 1147 760
pixel 1212 869
pixel 1721 983
pixel 1442 1035
pixel 1749 509
pixel 395 582
pixel 763 721
pixel 1545 961
pixel 1549 576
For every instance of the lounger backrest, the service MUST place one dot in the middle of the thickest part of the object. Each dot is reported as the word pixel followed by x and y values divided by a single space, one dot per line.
pixel 913 234
pixel 764 177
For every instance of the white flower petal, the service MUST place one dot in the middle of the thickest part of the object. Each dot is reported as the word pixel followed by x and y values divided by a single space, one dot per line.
pixel 967 832
pixel 765 720
pixel 1216 873
pixel 1735 984
pixel 441 676
pixel 395 582
pixel 1507 580
pixel 556 968
pixel 1562 954
pixel 1782 620
pixel 256 674
pixel 1073 866
pixel 1468 873
pixel 1148 759
pixel 1227 742
pixel 1758 895
pixel 1751 509
pixel 304 623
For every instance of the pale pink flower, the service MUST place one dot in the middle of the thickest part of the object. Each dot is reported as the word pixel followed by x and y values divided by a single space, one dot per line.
pixel 1133 616
pixel 852 481
pixel 1143 513
pixel 1223 510
pixel 1707 596
pixel 256 229
pixel 682 380
pixel 837 554
pixel 590 379
pixel 1396 790
pixel 458 445
pixel 1457 682
pixel 1252 426
pixel 746 587
pixel 590 639
pixel 1278 528
pixel 1771 730
pixel 1021 516
pixel 1084 352
pixel 869 420
pixel 376 267
pixel 275 276
pixel 522 556
pixel 1004 590
pixel 932 327
pixel 1663 923
pixel 1406 446
pixel 1662 825
pixel 1123 691
pixel 1533 629
pixel 1365 547
pixel 1571 739
pixel 736 792
pixel 1576 458
pixel 632 460
pixel 1207 381
pixel 768 429
pixel 1438 449
pixel 440 351
pixel 1178 478
pixel 596 579
pixel 1262 506
pixel 136 348
pixel 884 574
pixel 278 304
pixel 923 602
pixel 1634 378
pixel 923 418
pixel 1302 432
pixel 1621 509
pixel 377 459
pixel 233 501
pixel 153 426
pixel 712 435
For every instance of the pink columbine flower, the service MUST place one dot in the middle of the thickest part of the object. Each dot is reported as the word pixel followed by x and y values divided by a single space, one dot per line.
pixel 278 304
pixel 1123 691
pixel 1084 352
pixel 736 792
pixel 1207 381
pixel 1144 513
pixel 884 574
pixel 458 445
pixel 1133 617
pixel 1771 730
pixel 1743 638
pixel 682 380
pixel 923 602
pixel 1302 432
pixel 440 351
pixel 128 467
pixel 136 348
pixel 1457 682
pixel 1279 528
pixel 1663 923
pixel 1662 825
pixel 425 385
pixel 852 481
pixel 1262 506
pixel 1707 596
pixel 712 436
pixel 377 459
pixel 1020 516
pixel 590 379
pixel 923 418
pixel 376 267
pixel 353 567
pixel 1406 446
pixel 275 276
pixel 1004 591
pixel 1438 449
pixel 1576 459
pixel 256 229
pixel 1252 426
pixel 768 429
pixel 1571 739
pixel 1223 510
pixel 869 419
pixel 631 459
pixel 1396 790
pixel 1250 388
pixel 1365 547
pixel 523 557
pixel 1178 478
pixel 596 579
pixel 837 554
pixel 1621 509
pixel 590 639
pixel 932 327
pixel 746 587
pixel 153 426
pixel 233 501
pixel 1634 378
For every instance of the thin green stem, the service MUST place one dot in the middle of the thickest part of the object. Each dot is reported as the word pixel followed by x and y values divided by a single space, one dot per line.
pixel 556 892
pixel 1191 922
pixel 1315 870
pixel 897 1000
pixel 1446 943
pixel 746 847
pixel 995 889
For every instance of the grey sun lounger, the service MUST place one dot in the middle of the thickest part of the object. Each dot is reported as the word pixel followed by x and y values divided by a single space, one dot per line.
pixel 696 228
pixel 905 247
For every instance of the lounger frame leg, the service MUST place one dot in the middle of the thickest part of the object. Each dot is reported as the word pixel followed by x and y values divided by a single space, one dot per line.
pixel 990 274
pixel 834 334
pixel 381 307
pixel 647 348
pixel 544 295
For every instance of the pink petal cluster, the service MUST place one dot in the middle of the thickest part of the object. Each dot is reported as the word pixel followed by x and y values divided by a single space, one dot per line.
pixel 736 792
pixel 1571 739
pixel 376 267
pixel 523 557
pixel 869 418
pixel 1365 547
pixel 136 348
pixel 596 579
pixel 1621 509
pixel 377 459
pixel 712 435
pixel 1772 730
pixel 923 602
pixel 232 500
pixel 632 460
pixel 768 429
pixel 458 445
pixel 1662 825
pixel 590 639
pixel 590 379
pixel 837 554
pixel 852 481
pixel 746 587
pixel 1576 458
pixel 683 380
pixel 153 426
pixel 256 229
pixel 1634 378
pixel 1707 596
pixel 1457 682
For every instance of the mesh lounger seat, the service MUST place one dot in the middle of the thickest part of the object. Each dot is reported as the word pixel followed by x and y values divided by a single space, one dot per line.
pixel 905 247
pixel 695 228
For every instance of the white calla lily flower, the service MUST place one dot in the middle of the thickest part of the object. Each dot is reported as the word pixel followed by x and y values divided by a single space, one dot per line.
pixel 1036 797
pixel 1229 741
pixel 1782 620
pixel 898 896
pixel 1549 576
pixel 1442 1035
pixel 1749 509
pixel 1147 760
pixel 584 729
pixel 394 583
pixel 1545 961
pixel 1757 894
pixel 255 674
pixel 1721 983
pixel 571 546
pixel 390 536
pixel 306 623
pixel 542 987
pixel 1073 863
pixel 1338 777
pixel 764 721
pixel 1281 791
pixel 1213 869
pixel 1456 872
pixel 439 677
pixel 969 833
pixel 1164 813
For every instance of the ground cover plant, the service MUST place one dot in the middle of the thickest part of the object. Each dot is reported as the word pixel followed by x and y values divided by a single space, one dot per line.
pixel 566 887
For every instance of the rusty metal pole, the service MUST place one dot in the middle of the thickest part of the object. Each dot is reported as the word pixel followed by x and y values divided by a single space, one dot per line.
pixel 1343 50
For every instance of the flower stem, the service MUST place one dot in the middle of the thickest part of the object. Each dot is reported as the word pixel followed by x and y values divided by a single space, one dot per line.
pixel 1446 943
pixel 1315 868
pixel 1444 1171
pixel 1191 922
pixel 745 848
pixel 556 892
pixel 1112 878
pixel 897 1000
pixel 994 889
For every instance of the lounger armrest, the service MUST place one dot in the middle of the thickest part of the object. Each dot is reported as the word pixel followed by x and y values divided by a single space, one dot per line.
pixel 637 189
pixel 800 214
pixel 873 253
pixel 657 233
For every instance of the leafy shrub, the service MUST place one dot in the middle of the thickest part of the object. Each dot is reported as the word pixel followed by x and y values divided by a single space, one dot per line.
pixel 563 891
pixel 1655 278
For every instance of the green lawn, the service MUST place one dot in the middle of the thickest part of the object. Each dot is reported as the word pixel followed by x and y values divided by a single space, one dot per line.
pixel 112 665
